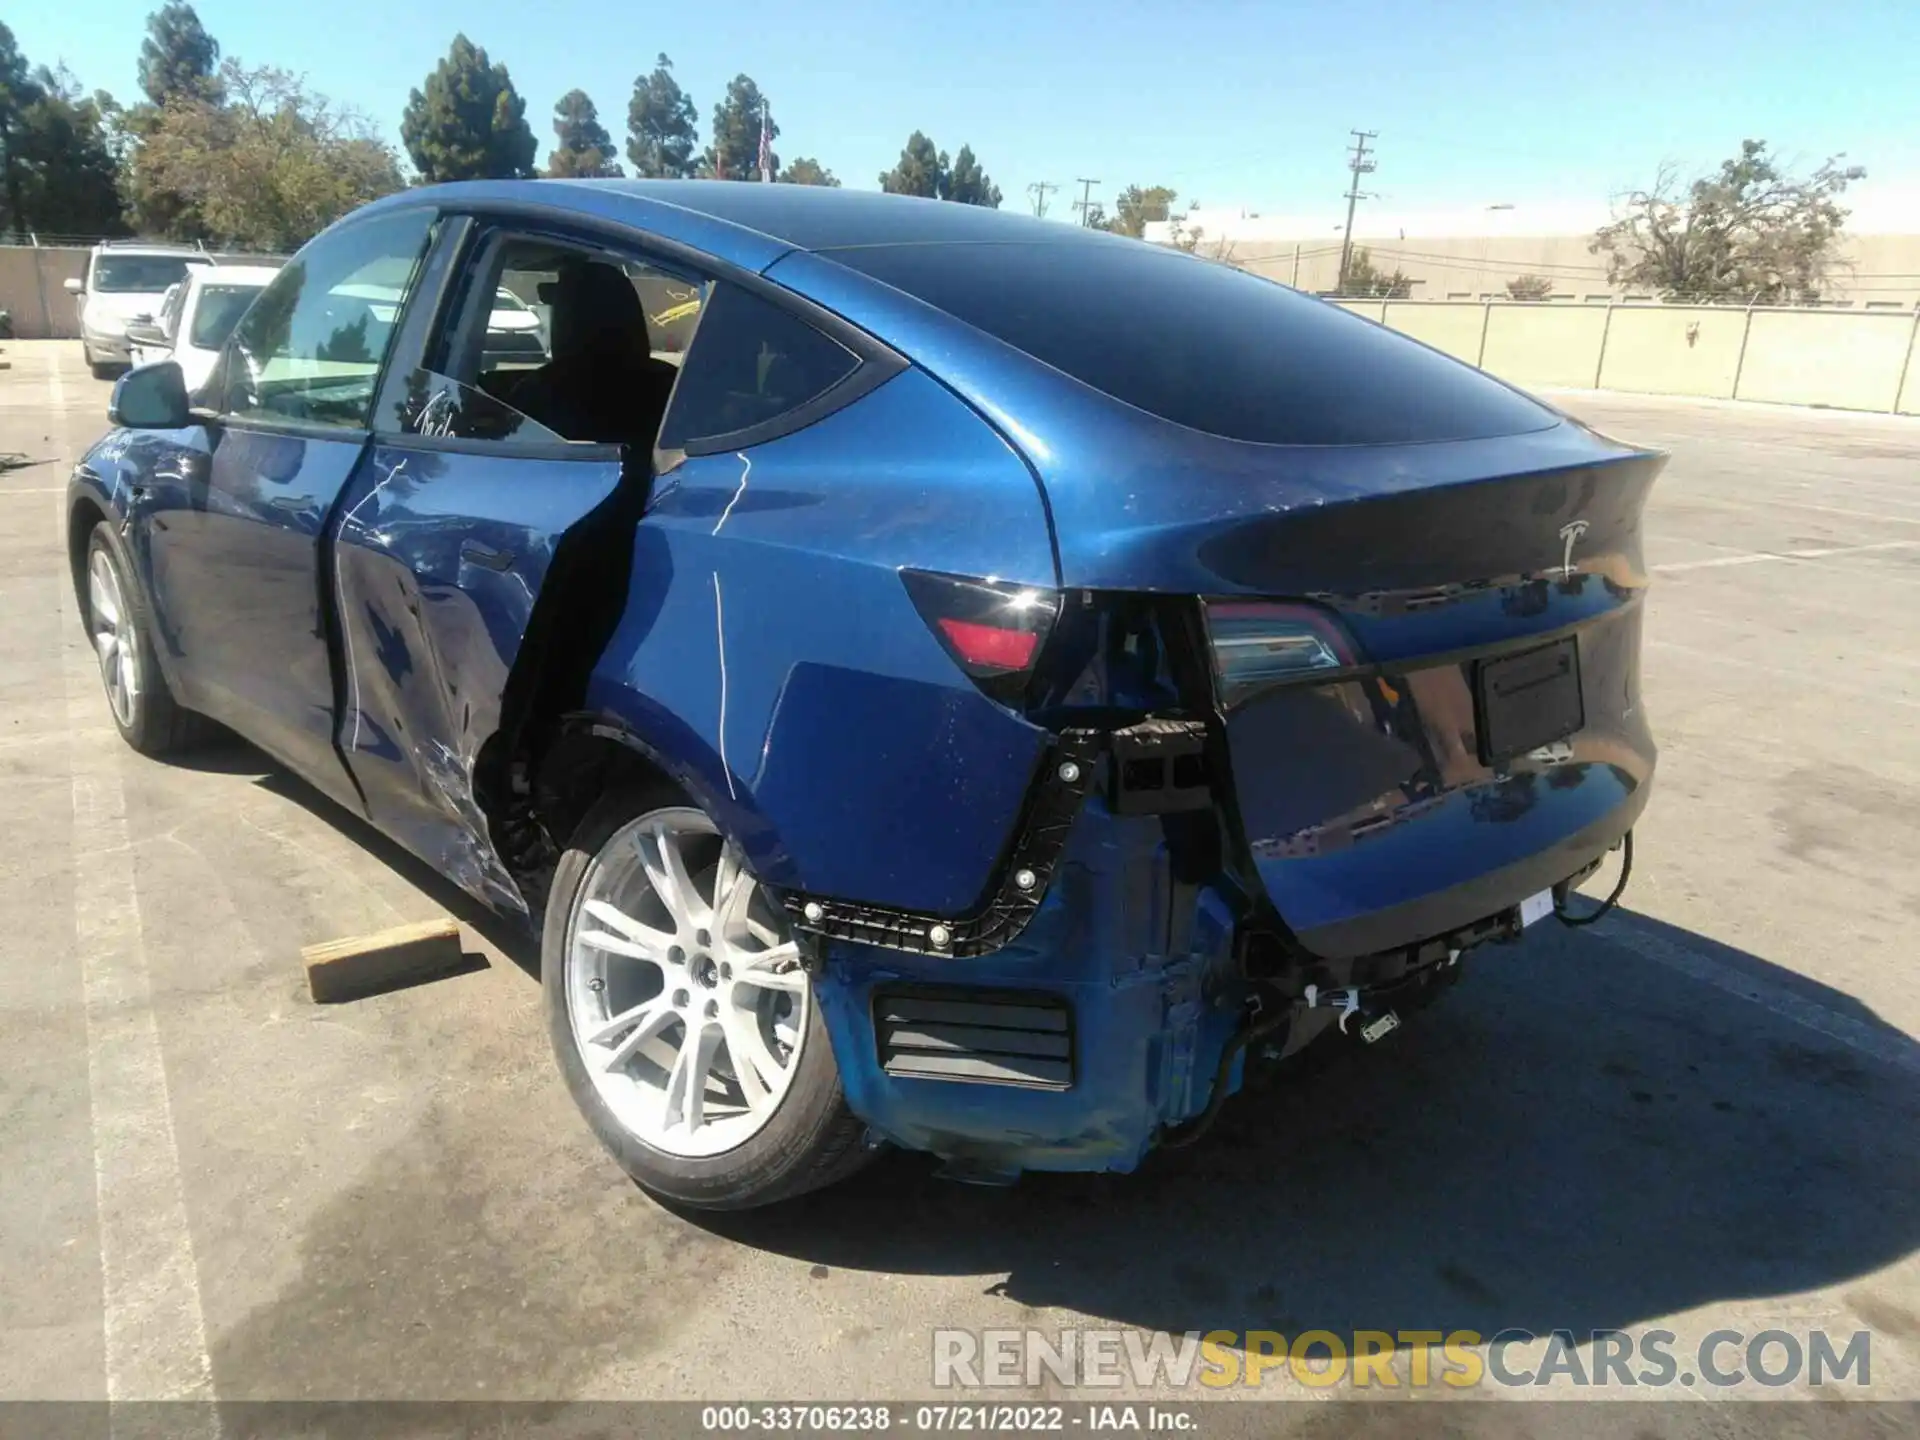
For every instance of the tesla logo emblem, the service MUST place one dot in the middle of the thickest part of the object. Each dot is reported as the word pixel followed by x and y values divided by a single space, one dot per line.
pixel 1569 536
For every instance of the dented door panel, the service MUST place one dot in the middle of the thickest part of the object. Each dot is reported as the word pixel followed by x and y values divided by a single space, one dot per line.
pixel 438 560
pixel 770 648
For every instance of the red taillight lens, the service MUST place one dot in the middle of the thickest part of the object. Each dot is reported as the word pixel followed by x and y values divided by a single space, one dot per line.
pixel 992 629
pixel 989 647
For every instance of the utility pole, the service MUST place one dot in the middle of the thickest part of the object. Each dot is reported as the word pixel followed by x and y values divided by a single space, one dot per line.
pixel 1360 164
pixel 1085 203
pixel 1039 190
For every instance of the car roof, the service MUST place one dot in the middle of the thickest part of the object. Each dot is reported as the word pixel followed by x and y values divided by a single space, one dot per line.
pixel 157 248
pixel 233 275
pixel 753 224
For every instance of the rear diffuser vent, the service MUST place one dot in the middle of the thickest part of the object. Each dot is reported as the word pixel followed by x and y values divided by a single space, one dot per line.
pixel 1006 1038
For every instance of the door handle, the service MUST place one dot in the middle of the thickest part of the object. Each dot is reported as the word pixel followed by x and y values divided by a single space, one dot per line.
pixel 485 555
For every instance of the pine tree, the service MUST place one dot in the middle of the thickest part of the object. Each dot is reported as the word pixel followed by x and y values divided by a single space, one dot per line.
pixel 735 151
pixel 582 148
pixel 469 123
pixel 660 126
pixel 805 170
pixel 178 58
pixel 968 183
pixel 922 170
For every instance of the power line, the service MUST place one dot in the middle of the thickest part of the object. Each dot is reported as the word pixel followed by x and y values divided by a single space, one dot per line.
pixel 1039 190
pixel 1085 203
pixel 1360 165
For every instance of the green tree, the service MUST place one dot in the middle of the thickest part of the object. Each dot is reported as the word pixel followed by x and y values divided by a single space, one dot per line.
pixel 661 134
pixel 178 58
pixel 1365 278
pixel 735 151
pixel 72 179
pixel 271 167
pixel 921 170
pixel 968 184
pixel 805 170
pixel 60 174
pixel 1751 232
pixel 469 123
pixel 582 148
pixel 1134 206
pixel 1529 287
pixel 18 94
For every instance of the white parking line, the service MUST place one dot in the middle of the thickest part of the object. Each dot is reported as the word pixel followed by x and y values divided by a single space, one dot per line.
pixel 1891 1047
pixel 156 1340
pixel 1761 557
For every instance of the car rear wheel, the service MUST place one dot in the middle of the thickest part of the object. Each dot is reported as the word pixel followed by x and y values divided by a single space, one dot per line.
pixel 681 1015
pixel 143 709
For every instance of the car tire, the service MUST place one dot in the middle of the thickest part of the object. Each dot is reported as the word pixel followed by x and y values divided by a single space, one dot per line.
pixel 810 1139
pixel 143 708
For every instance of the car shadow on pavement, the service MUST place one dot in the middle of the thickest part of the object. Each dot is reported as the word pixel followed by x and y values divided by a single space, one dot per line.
pixel 1576 1137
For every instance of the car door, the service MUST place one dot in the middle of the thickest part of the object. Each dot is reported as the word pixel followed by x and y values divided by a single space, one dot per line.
pixel 450 543
pixel 234 552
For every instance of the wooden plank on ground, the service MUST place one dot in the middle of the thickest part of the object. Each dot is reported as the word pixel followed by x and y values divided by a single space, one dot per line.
pixel 364 965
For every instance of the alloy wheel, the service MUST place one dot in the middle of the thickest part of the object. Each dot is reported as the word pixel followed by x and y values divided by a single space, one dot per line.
pixel 115 638
pixel 684 987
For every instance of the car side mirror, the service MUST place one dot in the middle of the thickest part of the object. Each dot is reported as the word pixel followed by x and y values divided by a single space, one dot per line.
pixel 145 332
pixel 76 286
pixel 151 397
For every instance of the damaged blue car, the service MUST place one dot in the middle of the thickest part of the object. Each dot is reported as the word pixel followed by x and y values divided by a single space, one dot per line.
pixel 932 677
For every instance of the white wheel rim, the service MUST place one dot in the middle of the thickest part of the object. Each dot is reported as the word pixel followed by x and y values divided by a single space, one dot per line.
pixel 115 642
pixel 684 989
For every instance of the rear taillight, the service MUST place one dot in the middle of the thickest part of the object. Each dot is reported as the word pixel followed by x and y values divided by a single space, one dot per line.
pixel 993 630
pixel 1258 644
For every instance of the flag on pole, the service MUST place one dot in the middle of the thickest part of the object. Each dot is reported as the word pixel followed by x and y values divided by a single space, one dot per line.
pixel 766 148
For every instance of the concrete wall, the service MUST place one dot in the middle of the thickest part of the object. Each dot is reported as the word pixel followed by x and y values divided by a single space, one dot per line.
pixel 1849 360
pixel 33 290
pixel 1880 272
pixel 1852 362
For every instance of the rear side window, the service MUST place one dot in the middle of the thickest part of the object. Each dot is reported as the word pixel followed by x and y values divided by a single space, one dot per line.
pixel 751 363
pixel 1203 344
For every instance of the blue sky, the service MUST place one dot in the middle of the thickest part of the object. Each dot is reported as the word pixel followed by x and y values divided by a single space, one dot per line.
pixel 1233 102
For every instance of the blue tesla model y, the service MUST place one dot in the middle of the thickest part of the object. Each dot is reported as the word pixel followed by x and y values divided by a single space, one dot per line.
pixel 932 677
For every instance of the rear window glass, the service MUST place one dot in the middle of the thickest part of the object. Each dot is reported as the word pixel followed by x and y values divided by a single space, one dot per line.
pixel 1203 344
pixel 136 274
pixel 220 309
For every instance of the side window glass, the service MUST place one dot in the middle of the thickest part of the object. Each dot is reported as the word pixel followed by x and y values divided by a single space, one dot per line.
pixel 752 362
pixel 310 349
pixel 575 345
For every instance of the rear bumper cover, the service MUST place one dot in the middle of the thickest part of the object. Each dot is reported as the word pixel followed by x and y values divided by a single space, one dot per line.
pixel 1142 966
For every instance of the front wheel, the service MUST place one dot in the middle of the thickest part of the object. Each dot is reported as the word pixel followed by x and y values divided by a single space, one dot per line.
pixel 143 709
pixel 681 1016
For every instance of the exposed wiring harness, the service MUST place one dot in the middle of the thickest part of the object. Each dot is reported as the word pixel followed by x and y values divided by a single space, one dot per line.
pixel 1626 869
pixel 1255 1029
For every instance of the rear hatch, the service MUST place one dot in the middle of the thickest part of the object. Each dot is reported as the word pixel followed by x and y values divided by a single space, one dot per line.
pixel 1421 587
pixel 1441 716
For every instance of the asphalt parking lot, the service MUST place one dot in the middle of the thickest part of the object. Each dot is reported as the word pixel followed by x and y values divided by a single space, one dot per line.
pixel 1700 1114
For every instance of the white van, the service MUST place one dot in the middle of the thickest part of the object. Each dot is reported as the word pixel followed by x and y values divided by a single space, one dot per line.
pixel 126 280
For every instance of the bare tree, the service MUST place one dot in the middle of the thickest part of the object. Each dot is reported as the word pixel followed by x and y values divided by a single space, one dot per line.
pixel 1748 232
